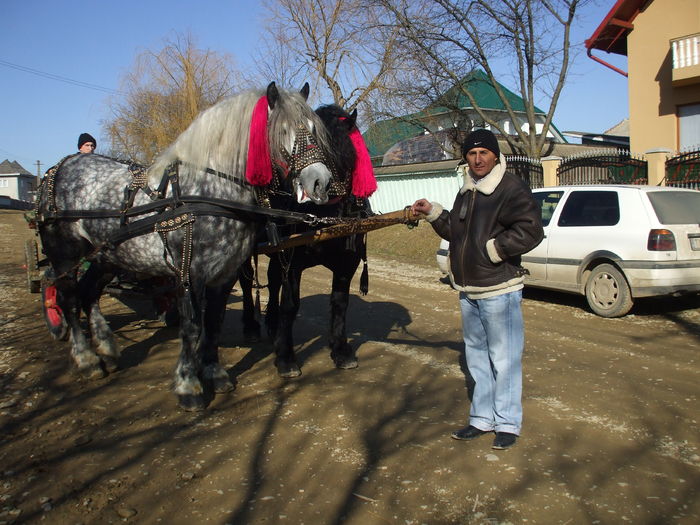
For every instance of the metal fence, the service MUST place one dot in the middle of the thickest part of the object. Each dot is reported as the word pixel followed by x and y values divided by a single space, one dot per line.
pixel 529 170
pixel 604 167
pixel 14 204
pixel 683 170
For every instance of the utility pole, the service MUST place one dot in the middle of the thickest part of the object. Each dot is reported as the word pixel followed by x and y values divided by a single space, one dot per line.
pixel 38 175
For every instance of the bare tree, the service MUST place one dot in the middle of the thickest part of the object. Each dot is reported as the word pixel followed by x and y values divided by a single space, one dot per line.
pixel 522 42
pixel 342 44
pixel 165 91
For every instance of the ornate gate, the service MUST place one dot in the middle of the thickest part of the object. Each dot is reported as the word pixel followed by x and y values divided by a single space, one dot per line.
pixel 605 167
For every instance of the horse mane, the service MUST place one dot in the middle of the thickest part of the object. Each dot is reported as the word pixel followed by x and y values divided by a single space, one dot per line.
pixel 342 151
pixel 351 157
pixel 218 137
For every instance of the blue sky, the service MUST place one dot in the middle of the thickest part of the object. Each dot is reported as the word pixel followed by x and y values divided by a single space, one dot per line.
pixel 96 43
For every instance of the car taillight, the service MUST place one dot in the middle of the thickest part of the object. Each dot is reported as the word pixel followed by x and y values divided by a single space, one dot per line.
pixel 661 241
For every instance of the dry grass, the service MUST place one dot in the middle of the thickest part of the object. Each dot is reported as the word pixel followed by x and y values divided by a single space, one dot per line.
pixel 409 245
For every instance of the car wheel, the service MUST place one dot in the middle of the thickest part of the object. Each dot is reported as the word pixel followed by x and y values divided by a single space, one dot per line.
pixel 607 292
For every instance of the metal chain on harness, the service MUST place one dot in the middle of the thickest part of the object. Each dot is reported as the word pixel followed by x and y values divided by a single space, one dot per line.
pixel 47 187
pixel 305 151
pixel 186 220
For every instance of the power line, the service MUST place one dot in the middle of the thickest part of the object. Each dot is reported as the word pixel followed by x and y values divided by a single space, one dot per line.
pixel 14 156
pixel 60 78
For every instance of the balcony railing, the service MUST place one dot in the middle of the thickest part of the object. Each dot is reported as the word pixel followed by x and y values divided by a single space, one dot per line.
pixel 686 51
pixel 686 60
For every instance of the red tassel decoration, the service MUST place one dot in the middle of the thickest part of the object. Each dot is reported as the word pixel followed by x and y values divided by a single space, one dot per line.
pixel 363 182
pixel 258 170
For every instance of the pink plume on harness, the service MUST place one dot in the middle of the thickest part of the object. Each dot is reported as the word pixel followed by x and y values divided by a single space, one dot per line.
pixel 363 182
pixel 258 171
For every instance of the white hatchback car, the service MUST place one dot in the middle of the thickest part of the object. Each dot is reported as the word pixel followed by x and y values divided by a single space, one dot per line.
pixel 614 243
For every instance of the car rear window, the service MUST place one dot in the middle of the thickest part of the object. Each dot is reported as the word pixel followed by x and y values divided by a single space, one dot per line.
pixel 676 207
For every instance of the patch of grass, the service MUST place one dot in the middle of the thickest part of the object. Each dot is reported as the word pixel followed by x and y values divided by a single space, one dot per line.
pixel 401 243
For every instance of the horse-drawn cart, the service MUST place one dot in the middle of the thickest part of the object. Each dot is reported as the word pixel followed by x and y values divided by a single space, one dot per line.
pixel 40 278
pixel 126 288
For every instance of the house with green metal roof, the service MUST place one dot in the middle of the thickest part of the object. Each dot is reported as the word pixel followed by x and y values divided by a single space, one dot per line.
pixel 433 134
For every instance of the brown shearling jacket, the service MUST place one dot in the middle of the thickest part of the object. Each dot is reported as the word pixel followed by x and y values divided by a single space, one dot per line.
pixel 494 221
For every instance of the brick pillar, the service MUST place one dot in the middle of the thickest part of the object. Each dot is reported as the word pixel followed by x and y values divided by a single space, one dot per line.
pixel 549 169
pixel 656 166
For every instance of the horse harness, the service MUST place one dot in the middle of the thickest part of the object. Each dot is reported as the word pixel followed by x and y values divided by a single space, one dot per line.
pixel 180 211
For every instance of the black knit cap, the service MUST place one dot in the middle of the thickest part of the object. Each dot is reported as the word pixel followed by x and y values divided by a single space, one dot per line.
pixel 86 137
pixel 481 138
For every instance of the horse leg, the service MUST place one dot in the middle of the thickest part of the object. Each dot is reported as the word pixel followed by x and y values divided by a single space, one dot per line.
pixel 285 360
pixel 68 299
pixel 64 254
pixel 251 326
pixel 91 286
pixel 342 353
pixel 187 384
pixel 214 311
pixel 274 284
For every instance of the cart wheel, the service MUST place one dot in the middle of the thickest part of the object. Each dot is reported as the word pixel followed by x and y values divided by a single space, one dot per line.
pixel 31 261
pixel 53 315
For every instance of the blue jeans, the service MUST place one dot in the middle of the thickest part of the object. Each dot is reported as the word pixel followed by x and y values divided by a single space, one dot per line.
pixel 493 345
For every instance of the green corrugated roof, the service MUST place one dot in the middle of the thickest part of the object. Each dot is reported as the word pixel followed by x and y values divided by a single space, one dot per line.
pixel 384 134
pixel 482 90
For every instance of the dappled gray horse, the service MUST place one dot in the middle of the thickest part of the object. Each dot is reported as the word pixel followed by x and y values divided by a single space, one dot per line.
pixel 192 216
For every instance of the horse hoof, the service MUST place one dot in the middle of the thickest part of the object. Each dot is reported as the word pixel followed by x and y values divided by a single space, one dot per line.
pixel 223 386
pixel 110 364
pixel 345 363
pixel 288 371
pixel 190 402
pixel 93 372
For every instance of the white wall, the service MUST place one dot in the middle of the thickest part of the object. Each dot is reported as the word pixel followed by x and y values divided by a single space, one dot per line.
pixel 395 192
pixel 8 187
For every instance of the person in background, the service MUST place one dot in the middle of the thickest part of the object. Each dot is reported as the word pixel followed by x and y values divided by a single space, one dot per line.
pixel 86 143
pixel 493 221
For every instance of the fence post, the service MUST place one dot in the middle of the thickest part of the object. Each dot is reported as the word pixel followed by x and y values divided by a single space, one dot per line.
pixel 549 170
pixel 656 166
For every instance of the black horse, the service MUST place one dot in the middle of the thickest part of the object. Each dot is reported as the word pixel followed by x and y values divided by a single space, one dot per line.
pixel 198 226
pixel 353 182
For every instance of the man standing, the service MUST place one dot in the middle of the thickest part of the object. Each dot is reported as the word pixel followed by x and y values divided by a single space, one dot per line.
pixel 494 221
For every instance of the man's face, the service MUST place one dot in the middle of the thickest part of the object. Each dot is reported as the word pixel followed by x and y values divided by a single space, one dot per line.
pixel 481 161
pixel 88 147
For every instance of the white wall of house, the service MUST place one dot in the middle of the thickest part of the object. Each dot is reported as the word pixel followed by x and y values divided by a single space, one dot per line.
pixel 20 187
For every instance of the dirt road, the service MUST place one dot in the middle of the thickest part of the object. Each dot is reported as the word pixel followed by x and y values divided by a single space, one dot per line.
pixel 611 431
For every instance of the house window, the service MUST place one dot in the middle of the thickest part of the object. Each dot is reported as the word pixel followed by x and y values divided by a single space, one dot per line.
pixel 4 183
pixel 689 126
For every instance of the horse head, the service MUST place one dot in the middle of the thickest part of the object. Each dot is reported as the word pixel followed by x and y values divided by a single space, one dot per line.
pixel 349 156
pixel 299 145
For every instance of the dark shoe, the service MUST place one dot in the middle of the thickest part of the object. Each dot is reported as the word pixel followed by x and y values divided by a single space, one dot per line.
pixel 504 440
pixel 469 432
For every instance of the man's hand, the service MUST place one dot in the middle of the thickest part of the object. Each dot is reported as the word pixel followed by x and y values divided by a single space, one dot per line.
pixel 421 207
